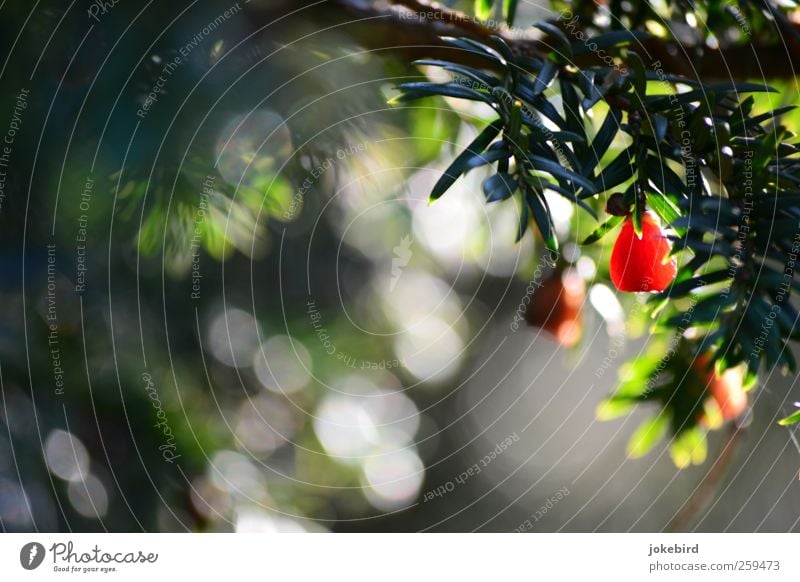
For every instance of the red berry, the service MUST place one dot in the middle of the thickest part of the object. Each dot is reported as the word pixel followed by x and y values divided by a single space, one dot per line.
pixel 726 390
pixel 642 264
pixel 556 306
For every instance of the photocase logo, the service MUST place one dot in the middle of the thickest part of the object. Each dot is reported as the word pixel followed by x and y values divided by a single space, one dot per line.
pixel 402 255
pixel 31 555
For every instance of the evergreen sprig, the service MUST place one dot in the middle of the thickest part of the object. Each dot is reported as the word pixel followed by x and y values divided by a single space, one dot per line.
pixel 721 174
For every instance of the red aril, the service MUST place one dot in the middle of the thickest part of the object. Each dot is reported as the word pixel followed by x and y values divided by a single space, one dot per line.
pixel 726 391
pixel 557 307
pixel 640 265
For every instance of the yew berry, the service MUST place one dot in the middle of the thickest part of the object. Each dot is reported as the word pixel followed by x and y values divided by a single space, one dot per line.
pixel 557 307
pixel 642 264
pixel 726 390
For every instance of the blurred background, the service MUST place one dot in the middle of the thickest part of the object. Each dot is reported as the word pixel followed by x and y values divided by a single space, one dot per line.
pixel 228 306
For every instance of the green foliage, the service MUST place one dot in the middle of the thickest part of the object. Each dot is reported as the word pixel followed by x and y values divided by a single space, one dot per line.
pixel 530 158
pixel 791 419
pixel 718 170
pixel 647 435
pixel 485 8
pixel 738 19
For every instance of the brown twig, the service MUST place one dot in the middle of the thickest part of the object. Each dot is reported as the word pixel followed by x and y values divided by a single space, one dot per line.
pixel 414 27
pixel 474 27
